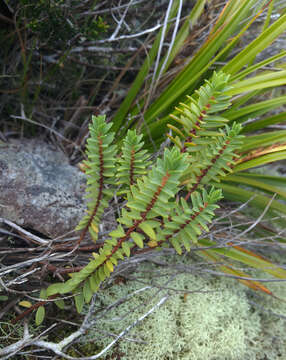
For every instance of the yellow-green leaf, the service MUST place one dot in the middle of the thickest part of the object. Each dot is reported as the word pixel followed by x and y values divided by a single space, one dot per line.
pixel 94 283
pixel 40 315
pixel 109 265
pixel 117 233
pixel 261 160
pixel 148 230
pixel 263 81
pixel 25 304
pixel 126 249
pixel 113 260
pixel 94 227
pixel 54 289
pixel 248 258
pixel 176 246
pixel 106 270
pixel 60 304
pixel 138 239
pixel 79 301
pixel 43 294
pixel 152 243
pixel 87 292
pixel 101 273
pixel 252 284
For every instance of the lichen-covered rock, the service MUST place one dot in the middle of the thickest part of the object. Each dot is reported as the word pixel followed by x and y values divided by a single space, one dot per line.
pixel 39 189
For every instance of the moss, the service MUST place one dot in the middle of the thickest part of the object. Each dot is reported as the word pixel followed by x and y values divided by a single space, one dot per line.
pixel 271 343
pixel 216 324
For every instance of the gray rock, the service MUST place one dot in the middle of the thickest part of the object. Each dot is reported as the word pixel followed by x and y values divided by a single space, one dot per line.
pixel 39 189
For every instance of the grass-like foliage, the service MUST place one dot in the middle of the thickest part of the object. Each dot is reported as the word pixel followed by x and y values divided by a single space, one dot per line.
pixel 168 201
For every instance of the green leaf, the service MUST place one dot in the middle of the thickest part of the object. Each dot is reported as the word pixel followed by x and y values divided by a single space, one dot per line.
pixel 113 260
pixel 117 233
pixel 148 230
pixel 138 239
pixel 263 123
pixel 277 181
pixel 176 246
pixel 126 248
pixel 54 289
pixel 106 270
pixel 94 283
pixel 101 273
pixel 254 110
pixel 109 265
pixel 87 292
pixel 79 301
pixel 119 255
pixel 40 315
pixel 186 243
pixel 60 304
pixel 43 294
pixel 25 303
pixel 251 69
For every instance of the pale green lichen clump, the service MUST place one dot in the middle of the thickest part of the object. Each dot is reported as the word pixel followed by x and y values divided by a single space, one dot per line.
pixel 217 324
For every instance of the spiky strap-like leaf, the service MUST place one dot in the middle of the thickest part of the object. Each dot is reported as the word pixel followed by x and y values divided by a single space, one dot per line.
pixel 133 162
pixel 100 174
pixel 196 114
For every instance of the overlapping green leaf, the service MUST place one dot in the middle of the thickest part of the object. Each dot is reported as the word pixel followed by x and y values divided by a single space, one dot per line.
pixel 133 162
pixel 100 173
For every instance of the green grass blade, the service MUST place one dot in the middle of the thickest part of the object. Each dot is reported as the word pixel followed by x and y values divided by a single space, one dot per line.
pixel 262 140
pixel 140 78
pixel 257 183
pixel 268 16
pixel 277 181
pixel 261 160
pixel 247 258
pixel 256 46
pixel 240 101
pixel 251 111
pixel 185 31
pixel 193 71
pixel 255 67
pixel 258 201
pixel 263 81
pixel 263 123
